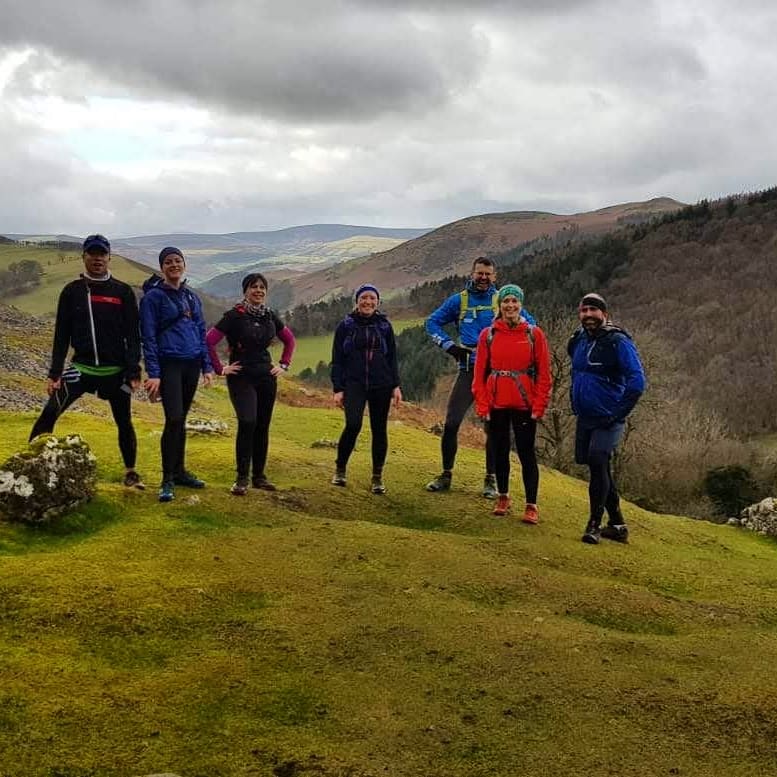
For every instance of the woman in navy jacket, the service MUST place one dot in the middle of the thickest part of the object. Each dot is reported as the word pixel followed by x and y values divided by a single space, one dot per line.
pixel 172 329
pixel 364 372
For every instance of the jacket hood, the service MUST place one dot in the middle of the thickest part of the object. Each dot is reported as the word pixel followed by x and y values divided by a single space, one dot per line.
pixel 354 315
pixel 158 282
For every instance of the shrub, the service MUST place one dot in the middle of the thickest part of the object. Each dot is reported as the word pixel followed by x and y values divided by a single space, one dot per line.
pixel 730 488
pixel 50 477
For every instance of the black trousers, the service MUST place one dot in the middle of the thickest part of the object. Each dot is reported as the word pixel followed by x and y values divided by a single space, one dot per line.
pixel 179 384
pixel 459 402
pixel 594 446
pixel 525 430
pixel 253 399
pixel 112 388
pixel 379 402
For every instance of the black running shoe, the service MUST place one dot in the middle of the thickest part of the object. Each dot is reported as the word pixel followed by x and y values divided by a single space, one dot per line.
pixel 618 532
pixel 188 480
pixel 591 534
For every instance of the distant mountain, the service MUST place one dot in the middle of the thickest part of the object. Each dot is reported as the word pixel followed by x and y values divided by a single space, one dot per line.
pixel 450 249
pixel 281 250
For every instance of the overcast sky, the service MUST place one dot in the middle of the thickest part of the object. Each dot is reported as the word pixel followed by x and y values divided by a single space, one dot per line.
pixel 221 115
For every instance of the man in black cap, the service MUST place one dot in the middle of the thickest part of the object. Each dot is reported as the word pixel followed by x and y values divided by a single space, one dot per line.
pixel 607 381
pixel 97 316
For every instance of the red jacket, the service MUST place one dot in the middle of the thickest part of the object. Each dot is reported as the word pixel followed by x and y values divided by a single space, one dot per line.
pixel 511 351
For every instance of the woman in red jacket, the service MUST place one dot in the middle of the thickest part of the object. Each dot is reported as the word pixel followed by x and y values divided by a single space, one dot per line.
pixel 511 387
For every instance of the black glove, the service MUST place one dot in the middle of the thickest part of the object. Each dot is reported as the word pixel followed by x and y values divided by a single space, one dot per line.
pixel 460 353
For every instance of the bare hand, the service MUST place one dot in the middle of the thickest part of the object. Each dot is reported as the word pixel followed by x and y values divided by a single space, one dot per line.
pixel 53 385
pixel 337 398
pixel 396 396
pixel 276 371
pixel 208 378
pixel 152 388
pixel 536 416
pixel 134 384
pixel 232 369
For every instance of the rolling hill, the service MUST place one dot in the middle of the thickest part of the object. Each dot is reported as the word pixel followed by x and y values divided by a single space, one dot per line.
pixel 450 249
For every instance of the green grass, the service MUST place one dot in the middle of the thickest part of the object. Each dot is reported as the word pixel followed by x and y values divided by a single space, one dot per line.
pixel 311 350
pixel 59 268
pixel 324 631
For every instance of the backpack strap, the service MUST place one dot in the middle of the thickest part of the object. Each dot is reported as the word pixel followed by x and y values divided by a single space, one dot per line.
pixel 464 307
pixel 531 370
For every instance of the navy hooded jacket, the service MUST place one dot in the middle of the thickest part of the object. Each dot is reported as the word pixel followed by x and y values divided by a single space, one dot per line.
pixel 607 375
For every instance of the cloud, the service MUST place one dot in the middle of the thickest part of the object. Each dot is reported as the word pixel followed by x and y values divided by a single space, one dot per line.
pixel 207 116
pixel 303 62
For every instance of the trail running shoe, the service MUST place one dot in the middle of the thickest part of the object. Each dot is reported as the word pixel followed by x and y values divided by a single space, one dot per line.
pixel 489 487
pixel 377 486
pixel 618 532
pixel 166 491
pixel 503 504
pixel 239 487
pixel 531 514
pixel 592 533
pixel 440 483
pixel 262 483
pixel 338 479
pixel 188 480
pixel 132 480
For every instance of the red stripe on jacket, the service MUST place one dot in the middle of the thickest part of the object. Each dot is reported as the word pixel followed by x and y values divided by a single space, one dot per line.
pixel 109 300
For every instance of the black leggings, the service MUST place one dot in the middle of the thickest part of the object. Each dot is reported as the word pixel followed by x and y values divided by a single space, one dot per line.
pixel 109 387
pixel 179 384
pixel 525 430
pixel 602 491
pixel 379 402
pixel 459 401
pixel 253 400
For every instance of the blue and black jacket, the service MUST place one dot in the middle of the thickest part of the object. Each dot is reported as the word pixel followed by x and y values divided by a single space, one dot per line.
pixel 172 326
pixel 479 316
pixel 364 351
pixel 607 375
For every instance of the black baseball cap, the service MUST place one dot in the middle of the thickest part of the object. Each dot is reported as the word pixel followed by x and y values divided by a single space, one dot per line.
pixel 97 243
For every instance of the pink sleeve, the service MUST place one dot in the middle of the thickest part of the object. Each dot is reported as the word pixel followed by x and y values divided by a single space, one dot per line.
pixel 286 336
pixel 212 339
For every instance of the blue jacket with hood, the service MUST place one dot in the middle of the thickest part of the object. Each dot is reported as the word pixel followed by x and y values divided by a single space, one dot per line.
pixel 607 375
pixel 172 326
pixel 479 316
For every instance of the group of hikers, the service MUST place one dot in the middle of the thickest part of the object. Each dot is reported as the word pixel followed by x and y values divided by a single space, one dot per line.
pixel 503 368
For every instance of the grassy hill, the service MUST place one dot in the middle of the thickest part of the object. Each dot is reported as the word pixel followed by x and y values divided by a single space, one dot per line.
pixel 324 631
pixel 59 268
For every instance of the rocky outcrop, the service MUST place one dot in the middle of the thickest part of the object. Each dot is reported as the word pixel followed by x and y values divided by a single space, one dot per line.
pixel 760 517
pixel 49 478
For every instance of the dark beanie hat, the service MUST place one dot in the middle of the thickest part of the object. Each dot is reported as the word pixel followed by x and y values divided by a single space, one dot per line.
pixel 594 301
pixel 165 252
pixel 366 287
pixel 251 278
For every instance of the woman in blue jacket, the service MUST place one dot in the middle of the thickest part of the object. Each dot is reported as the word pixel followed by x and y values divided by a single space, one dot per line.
pixel 365 372
pixel 172 329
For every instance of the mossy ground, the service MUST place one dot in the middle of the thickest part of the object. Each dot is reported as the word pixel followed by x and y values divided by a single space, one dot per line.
pixel 325 631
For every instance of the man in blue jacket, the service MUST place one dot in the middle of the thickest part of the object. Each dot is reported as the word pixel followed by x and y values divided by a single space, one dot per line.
pixel 607 381
pixel 471 310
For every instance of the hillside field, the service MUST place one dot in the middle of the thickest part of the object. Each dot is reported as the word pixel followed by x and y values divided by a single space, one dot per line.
pixel 325 632
pixel 59 268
